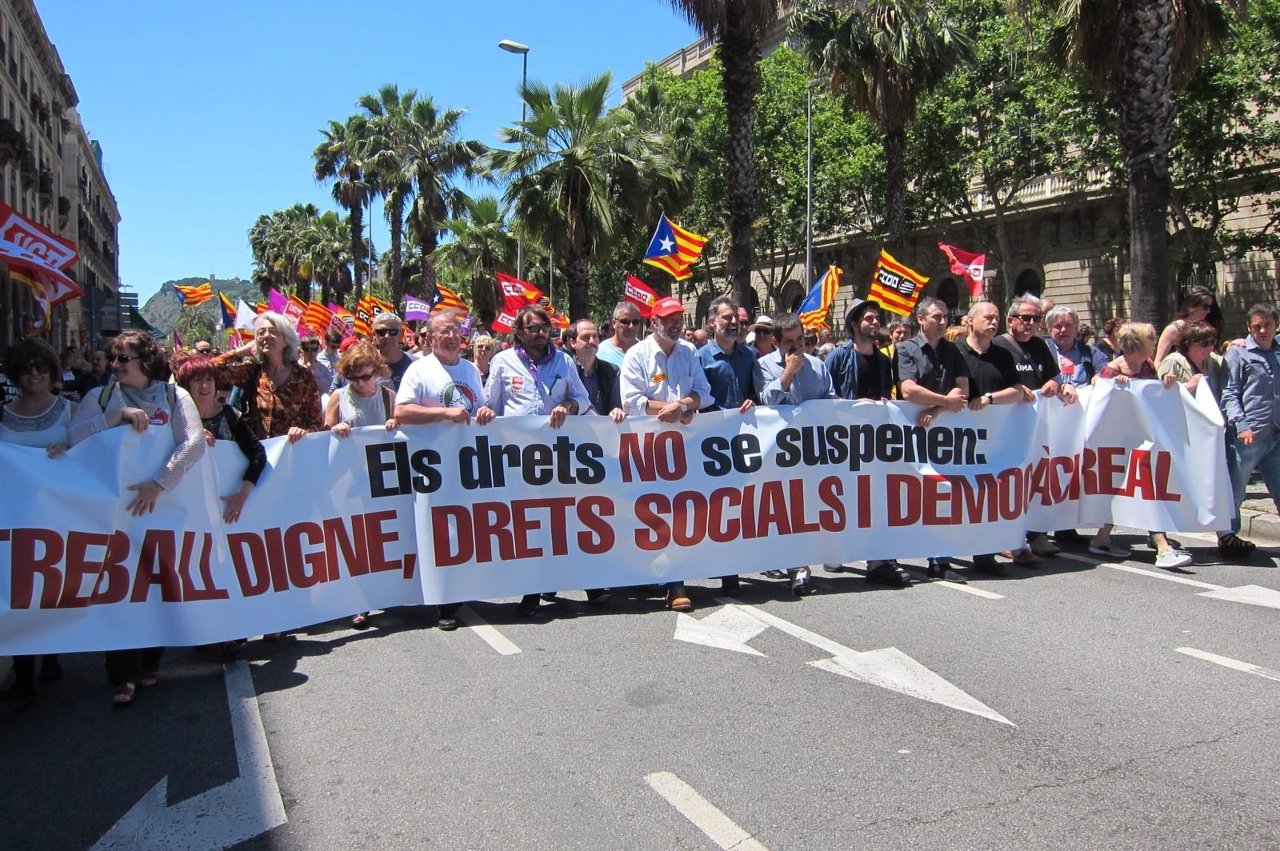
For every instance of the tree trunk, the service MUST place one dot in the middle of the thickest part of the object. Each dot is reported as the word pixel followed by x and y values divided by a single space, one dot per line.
pixel 1146 120
pixel 579 294
pixel 357 244
pixel 428 242
pixel 740 55
pixel 895 189
pixel 397 245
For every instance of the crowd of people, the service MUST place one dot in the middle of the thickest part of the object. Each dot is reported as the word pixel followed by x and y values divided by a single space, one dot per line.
pixel 283 385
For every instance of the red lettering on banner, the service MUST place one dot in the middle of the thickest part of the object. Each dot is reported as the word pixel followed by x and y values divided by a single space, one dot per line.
pixel 1108 468
pixel 719 528
pixel 355 553
pixel 446 518
pixel 864 502
pixel 1164 468
pixel 661 456
pixel 515 527
pixel 249 558
pixel 297 562
pixel 208 590
pixel 377 539
pixel 591 514
pixel 79 566
pixel 113 572
pixel 903 499
pixel 157 566
pixel 649 511
pixel 27 565
pixel 799 523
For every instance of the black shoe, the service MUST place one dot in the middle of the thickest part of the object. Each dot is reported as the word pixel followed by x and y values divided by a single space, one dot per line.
pixel 598 596
pixel 1069 536
pixel 447 623
pixel 776 574
pixel 730 586
pixel 530 606
pixel 989 566
pixel 50 670
pixel 800 584
pixel 228 651
pixel 890 573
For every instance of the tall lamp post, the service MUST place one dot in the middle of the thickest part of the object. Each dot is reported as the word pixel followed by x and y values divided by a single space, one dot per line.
pixel 522 49
pixel 808 187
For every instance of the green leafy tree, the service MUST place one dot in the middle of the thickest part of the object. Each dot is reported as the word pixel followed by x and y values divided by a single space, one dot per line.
pixel 340 158
pixel 739 27
pixel 1139 53
pixel 574 168
pixel 477 247
pixel 387 169
pixel 883 55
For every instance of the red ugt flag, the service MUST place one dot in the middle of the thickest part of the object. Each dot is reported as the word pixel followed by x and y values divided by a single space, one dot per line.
pixel 968 266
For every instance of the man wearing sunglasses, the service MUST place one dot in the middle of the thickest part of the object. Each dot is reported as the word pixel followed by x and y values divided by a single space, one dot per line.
pixel 626 332
pixel 387 331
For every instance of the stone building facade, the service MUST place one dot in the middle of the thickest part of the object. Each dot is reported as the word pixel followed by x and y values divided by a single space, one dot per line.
pixel 52 173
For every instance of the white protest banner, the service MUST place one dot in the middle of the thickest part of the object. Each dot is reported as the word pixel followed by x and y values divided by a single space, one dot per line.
pixel 448 512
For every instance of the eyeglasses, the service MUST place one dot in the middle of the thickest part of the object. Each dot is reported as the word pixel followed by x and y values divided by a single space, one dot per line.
pixel 122 358
pixel 446 332
pixel 309 347
pixel 387 332
pixel 36 369
pixel 538 329
pixel 1033 317
pixel 368 376
pixel 210 351
pixel 627 321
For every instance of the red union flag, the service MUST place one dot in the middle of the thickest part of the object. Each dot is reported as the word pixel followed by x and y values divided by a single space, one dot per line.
pixel 639 294
pixel 37 256
pixel 516 293
pixel 968 266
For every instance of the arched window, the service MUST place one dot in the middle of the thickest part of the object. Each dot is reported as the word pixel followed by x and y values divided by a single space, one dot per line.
pixel 790 297
pixel 1028 282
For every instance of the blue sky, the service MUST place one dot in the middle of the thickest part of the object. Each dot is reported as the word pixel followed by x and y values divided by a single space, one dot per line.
pixel 208 112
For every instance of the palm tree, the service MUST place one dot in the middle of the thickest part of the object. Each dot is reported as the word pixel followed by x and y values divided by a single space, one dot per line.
pixel 882 55
pixel 577 174
pixel 325 245
pixel 386 168
pixel 278 246
pixel 477 248
pixel 739 26
pixel 1140 52
pixel 434 155
pixel 340 158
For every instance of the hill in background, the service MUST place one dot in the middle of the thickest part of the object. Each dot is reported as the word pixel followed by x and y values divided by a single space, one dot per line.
pixel 163 308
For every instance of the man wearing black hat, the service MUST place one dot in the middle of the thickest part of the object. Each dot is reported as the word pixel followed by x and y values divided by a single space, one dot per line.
pixel 861 371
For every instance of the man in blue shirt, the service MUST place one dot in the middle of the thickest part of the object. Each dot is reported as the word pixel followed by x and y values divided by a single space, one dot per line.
pixel 730 366
pixel 1251 402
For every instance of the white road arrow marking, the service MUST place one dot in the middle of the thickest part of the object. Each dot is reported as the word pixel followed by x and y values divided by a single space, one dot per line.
pixel 223 816
pixel 1253 595
pixel 888 668
pixel 727 629
pixel 1233 664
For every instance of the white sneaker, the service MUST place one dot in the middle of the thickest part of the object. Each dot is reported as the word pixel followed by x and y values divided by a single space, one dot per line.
pixel 1171 558
pixel 1042 546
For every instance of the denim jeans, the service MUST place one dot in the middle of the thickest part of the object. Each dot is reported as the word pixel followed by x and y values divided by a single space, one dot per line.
pixel 1263 455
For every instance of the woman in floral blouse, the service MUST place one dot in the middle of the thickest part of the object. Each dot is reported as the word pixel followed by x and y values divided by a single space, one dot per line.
pixel 282 394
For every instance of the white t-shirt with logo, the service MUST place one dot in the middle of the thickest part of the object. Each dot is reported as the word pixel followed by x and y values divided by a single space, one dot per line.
pixel 433 384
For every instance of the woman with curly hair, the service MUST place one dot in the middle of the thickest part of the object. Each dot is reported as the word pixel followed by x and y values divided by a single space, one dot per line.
pixel 137 397
pixel 38 418
pixel 361 401
pixel 1199 305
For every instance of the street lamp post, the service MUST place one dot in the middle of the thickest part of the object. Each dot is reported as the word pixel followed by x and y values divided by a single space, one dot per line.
pixel 522 49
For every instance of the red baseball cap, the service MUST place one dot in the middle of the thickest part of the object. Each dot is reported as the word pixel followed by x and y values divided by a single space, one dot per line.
pixel 667 306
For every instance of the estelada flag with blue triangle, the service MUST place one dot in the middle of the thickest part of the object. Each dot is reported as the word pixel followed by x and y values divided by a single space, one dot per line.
pixel 673 249
pixel 194 296
pixel 228 311
pixel 812 312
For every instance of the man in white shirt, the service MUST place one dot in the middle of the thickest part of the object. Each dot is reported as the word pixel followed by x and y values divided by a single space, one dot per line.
pixel 442 387
pixel 662 377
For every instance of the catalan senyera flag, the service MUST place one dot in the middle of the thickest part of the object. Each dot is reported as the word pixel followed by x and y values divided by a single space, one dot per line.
pixel 193 296
pixel 228 311
pixel 365 311
pixel 316 317
pixel 381 305
pixel 813 311
pixel 447 299
pixel 673 249
pixel 895 286
pixel 638 293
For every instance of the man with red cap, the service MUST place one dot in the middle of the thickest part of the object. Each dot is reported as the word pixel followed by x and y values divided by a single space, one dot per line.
pixel 662 377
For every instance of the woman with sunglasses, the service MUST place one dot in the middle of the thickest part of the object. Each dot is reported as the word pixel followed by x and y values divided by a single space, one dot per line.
pixel 137 397
pixel 38 418
pixel 361 401
pixel 483 348
pixel 1199 305
pixel 282 394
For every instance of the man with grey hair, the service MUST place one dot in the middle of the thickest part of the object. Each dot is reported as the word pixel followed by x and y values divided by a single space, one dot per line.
pixel 1078 362
pixel 933 373
pixel 387 333
pixel 626 332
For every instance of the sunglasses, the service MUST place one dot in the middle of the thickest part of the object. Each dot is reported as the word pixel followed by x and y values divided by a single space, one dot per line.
pixel 368 376
pixel 538 329
pixel 387 332
pixel 1034 317
pixel 122 358
pixel 627 321
pixel 36 369
pixel 311 347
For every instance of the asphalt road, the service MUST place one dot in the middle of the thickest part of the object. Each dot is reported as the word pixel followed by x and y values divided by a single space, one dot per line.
pixel 1111 721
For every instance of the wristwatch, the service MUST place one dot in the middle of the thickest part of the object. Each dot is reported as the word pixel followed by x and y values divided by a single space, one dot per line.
pixel 990 397
pixel 684 408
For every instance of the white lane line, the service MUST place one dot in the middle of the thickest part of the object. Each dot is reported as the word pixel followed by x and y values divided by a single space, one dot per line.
pixel 490 634
pixel 1233 664
pixel 968 589
pixel 705 815
pixel 1167 577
